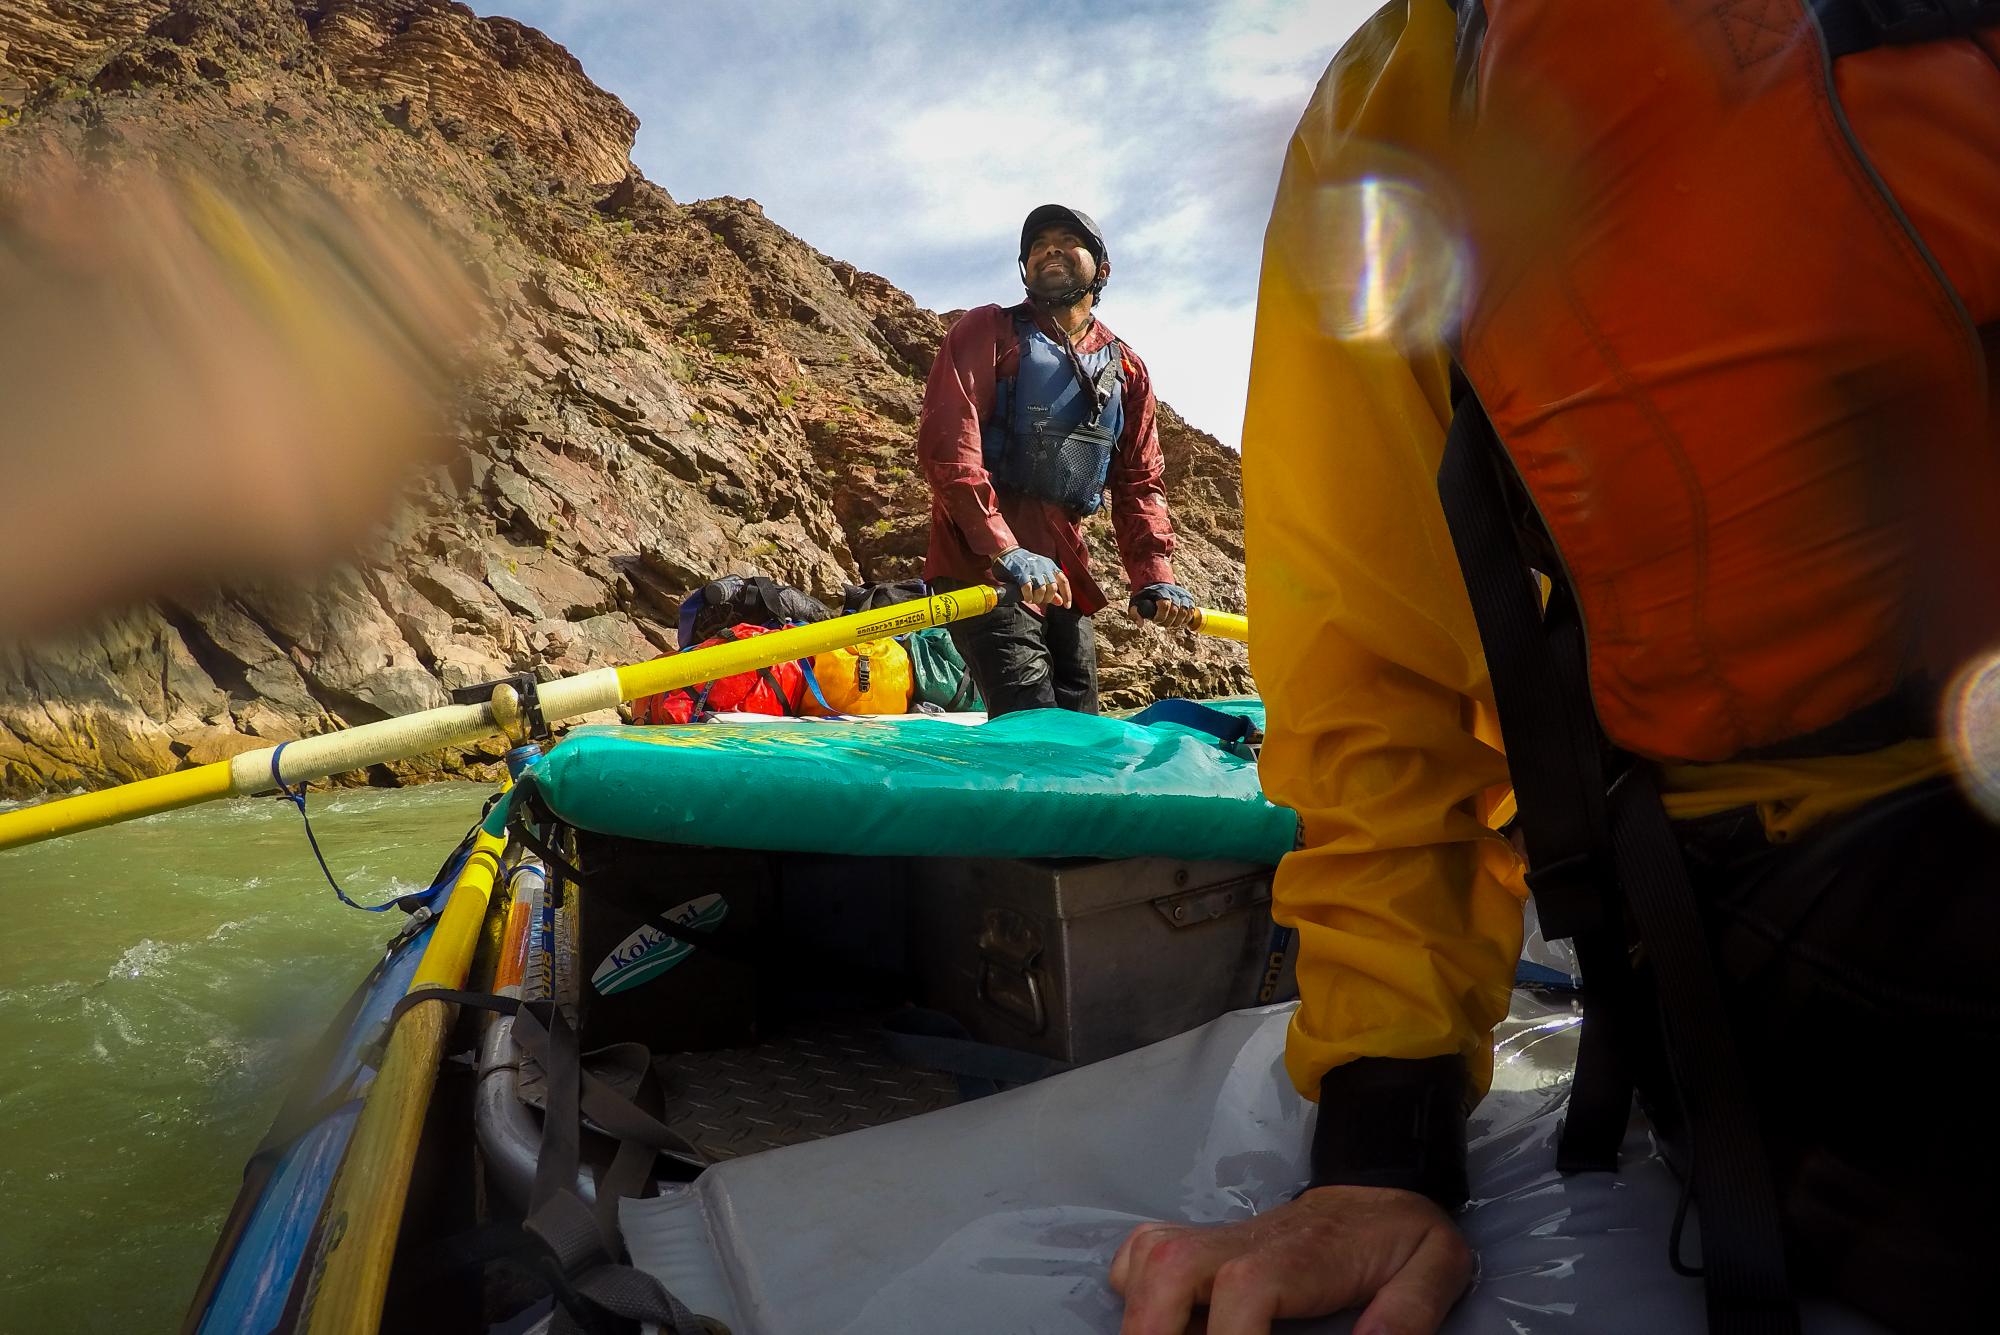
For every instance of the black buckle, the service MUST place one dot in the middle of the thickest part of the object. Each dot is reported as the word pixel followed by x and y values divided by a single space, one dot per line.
pixel 525 687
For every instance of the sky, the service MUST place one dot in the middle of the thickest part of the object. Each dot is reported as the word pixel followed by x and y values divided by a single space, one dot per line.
pixel 911 139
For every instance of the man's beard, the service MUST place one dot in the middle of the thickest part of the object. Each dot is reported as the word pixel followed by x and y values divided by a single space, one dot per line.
pixel 1056 280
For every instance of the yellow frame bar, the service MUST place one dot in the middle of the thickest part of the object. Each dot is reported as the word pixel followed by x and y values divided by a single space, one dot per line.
pixel 364 1213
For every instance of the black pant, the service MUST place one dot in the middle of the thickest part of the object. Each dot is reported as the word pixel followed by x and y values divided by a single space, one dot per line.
pixel 1024 661
pixel 1861 965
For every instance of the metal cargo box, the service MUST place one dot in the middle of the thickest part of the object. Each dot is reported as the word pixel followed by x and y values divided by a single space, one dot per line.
pixel 1081 959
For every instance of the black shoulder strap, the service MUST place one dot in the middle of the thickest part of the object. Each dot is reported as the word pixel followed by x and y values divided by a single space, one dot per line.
pixel 785 702
pixel 1109 380
pixel 1850 26
pixel 1555 760
pixel 1592 852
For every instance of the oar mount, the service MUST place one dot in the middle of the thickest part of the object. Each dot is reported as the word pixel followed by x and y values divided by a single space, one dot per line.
pixel 517 706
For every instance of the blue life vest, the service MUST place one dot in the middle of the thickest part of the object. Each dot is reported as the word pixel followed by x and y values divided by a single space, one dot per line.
pixel 1051 435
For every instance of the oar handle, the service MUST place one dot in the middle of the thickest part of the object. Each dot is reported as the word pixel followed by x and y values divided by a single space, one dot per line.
pixel 1207 621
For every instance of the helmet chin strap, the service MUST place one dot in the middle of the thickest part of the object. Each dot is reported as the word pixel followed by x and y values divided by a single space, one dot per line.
pixel 1067 297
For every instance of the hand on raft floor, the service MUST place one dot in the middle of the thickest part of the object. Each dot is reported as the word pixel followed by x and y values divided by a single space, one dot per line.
pixel 1332 1248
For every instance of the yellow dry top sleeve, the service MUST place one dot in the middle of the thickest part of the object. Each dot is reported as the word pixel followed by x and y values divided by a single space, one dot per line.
pixel 1380 735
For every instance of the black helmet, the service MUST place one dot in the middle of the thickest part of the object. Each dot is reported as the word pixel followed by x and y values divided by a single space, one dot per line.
pixel 1081 223
pixel 1047 215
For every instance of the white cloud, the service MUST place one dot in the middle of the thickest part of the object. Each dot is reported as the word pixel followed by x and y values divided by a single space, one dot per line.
pixel 1262 51
pixel 1191 350
pixel 965 160
pixel 911 139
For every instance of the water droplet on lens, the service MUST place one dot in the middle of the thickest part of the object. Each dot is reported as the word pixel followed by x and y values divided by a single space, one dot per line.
pixel 1379 261
pixel 1972 730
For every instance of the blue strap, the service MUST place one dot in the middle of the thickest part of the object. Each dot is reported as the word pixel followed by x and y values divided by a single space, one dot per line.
pixel 1229 729
pixel 938 1042
pixel 807 665
pixel 1527 973
pixel 299 800
pixel 690 609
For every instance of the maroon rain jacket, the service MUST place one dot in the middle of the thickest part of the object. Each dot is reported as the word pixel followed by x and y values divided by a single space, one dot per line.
pixel 971 523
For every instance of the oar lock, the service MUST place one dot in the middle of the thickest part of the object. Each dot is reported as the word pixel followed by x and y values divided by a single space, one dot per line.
pixel 517 705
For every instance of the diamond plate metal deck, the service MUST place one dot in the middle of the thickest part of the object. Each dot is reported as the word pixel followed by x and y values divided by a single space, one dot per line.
pixel 808 1083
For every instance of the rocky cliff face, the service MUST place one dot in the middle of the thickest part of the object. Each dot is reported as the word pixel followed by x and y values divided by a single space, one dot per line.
pixel 681 390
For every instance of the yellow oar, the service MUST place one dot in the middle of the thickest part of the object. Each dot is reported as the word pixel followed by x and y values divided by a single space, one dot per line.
pixel 454 725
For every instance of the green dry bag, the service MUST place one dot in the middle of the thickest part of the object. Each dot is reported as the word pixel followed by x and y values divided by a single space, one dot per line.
pixel 938 675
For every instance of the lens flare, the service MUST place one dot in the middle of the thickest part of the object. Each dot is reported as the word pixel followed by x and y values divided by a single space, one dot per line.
pixel 1379 260
pixel 1972 730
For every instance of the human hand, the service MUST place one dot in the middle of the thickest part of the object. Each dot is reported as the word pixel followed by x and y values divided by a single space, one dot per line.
pixel 1332 1248
pixel 1168 606
pixel 1040 580
pixel 208 376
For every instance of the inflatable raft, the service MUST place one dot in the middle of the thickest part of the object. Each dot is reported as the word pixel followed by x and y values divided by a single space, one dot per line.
pixel 799 1027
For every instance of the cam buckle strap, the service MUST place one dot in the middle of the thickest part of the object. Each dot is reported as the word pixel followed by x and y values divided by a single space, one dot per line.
pixel 579 1248
pixel 621 1118
pixel 1534 658
pixel 1229 729
pixel 1600 1094
pixel 583 1246
pixel 1574 824
pixel 594 1291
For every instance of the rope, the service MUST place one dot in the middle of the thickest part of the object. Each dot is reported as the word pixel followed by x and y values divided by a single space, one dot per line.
pixel 298 799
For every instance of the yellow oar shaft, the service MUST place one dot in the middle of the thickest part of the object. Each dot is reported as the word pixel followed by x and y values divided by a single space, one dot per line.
pixel 455 725
pixel 781 646
pixel 365 1212
pixel 1222 625
pixel 167 792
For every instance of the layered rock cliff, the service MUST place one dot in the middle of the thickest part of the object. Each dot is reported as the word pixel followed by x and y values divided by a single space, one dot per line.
pixel 679 390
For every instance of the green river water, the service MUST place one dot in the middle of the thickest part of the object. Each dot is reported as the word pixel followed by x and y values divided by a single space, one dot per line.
pixel 159 983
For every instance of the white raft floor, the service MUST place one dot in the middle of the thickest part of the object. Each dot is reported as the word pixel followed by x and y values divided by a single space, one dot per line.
pixel 1000 1217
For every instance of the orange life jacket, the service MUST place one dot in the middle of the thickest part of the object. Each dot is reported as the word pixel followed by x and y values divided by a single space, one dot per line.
pixel 1725 322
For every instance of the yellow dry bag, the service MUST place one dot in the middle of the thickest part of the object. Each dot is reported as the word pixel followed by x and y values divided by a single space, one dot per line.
pixel 870 678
